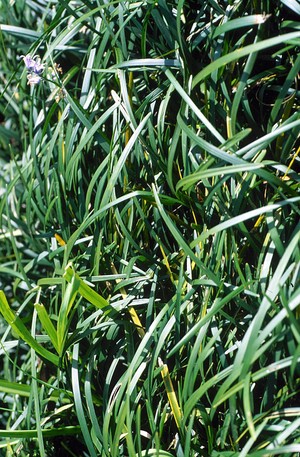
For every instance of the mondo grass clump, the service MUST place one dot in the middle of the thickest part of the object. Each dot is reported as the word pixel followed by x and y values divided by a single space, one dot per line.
pixel 149 243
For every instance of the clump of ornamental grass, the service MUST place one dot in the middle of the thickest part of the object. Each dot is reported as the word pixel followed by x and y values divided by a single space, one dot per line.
pixel 149 207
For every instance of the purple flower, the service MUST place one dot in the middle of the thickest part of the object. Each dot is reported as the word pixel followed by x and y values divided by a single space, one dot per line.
pixel 34 67
pixel 29 62
pixel 38 67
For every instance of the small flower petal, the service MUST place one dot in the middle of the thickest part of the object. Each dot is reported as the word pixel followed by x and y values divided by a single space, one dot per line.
pixel 29 62
pixel 33 79
pixel 38 68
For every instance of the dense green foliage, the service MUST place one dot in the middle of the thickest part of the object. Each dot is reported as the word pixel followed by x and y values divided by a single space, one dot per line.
pixel 149 208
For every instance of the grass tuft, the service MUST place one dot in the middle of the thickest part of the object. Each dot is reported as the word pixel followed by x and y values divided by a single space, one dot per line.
pixel 149 243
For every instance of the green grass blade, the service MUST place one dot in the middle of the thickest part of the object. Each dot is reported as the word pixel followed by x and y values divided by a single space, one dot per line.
pixel 242 52
pixel 19 328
